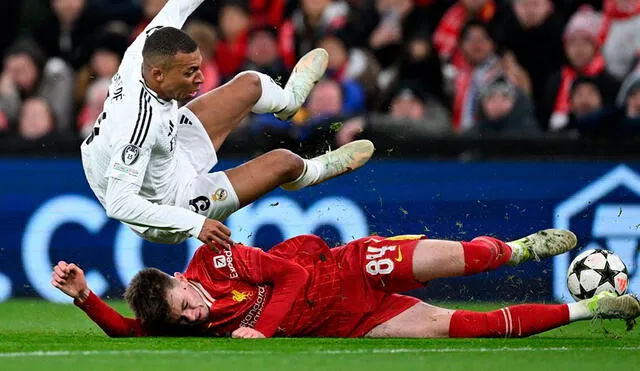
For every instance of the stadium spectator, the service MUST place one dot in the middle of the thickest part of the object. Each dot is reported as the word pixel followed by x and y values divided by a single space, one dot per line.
pixel 447 35
pixel 621 34
pixel 621 120
pixel 480 66
pixel 96 95
pixel 504 111
pixel 27 73
pixel 104 60
pixel 36 119
pixel 68 34
pixel 361 21
pixel 586 97
pixel 267 12
pixel 533 32
pixel 584 59
pixel 411 114
pixel 308 24
pixel 234 26
pixel 325 109
pixel 420 63
pixel 262 54
pixel 205 36
pixel 400 21
pixel 355 66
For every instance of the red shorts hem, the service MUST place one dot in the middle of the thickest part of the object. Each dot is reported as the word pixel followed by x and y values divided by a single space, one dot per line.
pixel 391 306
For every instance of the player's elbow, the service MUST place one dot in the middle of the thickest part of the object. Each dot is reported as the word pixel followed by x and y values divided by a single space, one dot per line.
pixel 116 207
pixel 112 211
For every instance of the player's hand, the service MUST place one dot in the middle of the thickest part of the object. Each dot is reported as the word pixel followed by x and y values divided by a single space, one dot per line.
pixel 247 333
pixel 213 232
pixel 69 278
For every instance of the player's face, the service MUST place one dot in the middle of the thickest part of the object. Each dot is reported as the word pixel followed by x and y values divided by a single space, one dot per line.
pixel 183 77
pixel 186 305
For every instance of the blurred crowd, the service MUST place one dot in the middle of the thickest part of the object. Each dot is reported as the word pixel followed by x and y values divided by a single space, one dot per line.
pixel 510 68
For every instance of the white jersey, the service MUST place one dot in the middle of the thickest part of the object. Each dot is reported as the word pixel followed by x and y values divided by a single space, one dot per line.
pixel 129 159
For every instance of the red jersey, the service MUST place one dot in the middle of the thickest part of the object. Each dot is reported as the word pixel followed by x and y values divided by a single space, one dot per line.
pixel 279 290
pixel 299 288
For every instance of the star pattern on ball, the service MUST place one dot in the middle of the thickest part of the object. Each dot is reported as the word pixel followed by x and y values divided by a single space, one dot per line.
pixel 606 274
pixel 578 268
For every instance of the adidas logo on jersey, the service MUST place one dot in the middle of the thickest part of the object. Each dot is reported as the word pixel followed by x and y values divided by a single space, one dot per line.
pixel 185 121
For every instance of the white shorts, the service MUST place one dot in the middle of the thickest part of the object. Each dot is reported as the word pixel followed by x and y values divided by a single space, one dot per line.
pixel 208 194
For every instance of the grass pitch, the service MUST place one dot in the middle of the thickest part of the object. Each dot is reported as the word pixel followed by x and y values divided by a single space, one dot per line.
pixel 35 335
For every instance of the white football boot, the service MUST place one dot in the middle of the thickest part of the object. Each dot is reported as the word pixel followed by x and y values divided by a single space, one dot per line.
pixel 542 244
pixel 340 161
pixel 609 305
pixel 306 73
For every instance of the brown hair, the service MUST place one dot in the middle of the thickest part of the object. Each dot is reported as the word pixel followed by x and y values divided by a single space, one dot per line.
pixel 147 297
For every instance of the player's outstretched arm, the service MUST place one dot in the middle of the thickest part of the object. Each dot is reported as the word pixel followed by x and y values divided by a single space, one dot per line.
pixel 123 202
pixel 173 14
pixel 69 278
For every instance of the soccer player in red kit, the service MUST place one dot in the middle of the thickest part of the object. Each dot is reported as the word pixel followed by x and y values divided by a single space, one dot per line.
pixel 303 288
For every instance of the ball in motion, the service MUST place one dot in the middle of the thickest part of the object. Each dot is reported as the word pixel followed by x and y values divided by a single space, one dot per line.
pixel 594 271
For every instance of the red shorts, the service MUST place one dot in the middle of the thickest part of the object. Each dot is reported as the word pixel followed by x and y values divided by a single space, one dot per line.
pixel 373 271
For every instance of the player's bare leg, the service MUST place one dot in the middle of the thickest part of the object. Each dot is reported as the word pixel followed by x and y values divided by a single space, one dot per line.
pixel 428 321
pixel 420 321
pixel 222 110
pixel 281 167
pixel 439 259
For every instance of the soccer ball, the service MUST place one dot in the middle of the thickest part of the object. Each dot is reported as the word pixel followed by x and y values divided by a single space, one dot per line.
pixel 595 271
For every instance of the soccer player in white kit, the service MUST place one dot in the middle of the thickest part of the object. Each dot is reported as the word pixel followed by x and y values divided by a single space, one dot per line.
pixel 148 159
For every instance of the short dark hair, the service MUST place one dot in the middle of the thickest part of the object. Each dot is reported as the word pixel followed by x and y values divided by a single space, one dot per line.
pixel 147 297
pixel 475 23
pixel 166 42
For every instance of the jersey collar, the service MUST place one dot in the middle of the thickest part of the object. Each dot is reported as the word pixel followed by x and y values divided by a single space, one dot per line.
pixel 203 293
pixel 153 93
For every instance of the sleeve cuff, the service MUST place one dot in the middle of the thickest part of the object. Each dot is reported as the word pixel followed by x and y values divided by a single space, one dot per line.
pixel 198 223
pixel 88 302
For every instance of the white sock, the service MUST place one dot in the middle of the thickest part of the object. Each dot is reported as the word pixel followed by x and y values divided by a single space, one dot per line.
pixel 273 99
pixel 579 311
pixel 517 252
pixel 310 175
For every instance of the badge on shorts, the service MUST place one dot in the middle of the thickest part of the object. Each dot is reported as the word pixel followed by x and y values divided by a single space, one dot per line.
pixel 130 154
pixel 220 194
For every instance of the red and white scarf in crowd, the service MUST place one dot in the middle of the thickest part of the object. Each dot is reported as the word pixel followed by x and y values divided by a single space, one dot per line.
pixel 447 33
pixel 562 105
pixel 613 12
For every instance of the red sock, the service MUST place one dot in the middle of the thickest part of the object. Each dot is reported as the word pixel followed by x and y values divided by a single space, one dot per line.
pixel 517 321
pixel 484 254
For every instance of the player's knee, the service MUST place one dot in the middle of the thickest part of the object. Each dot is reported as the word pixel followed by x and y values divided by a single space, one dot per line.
pixel 249 84
pixel 287 164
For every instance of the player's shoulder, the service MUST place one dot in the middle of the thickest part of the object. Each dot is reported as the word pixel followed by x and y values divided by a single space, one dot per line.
pixel 135 112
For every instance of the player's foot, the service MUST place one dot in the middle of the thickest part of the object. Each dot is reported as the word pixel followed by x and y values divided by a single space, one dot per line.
pixel 542 244
pixel 344 159
pixel 306 73
pixel 609 305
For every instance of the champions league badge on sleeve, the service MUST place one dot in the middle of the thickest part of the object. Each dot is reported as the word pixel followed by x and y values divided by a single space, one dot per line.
pixel 130 154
